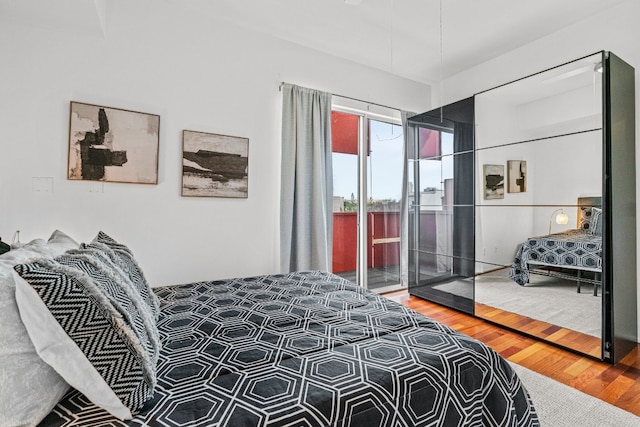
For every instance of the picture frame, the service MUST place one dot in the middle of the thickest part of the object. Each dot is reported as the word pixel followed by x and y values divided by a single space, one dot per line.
pixel 112 144
pixel 214 165
pixel 493 180
pixel 516 176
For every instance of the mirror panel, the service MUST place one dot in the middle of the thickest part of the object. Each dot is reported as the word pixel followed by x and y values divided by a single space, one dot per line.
pixel 441 192
pixel 566 99
pixel 539 181
pixel 552 171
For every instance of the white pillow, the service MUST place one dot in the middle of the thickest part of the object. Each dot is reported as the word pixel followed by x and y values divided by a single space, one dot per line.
pixel 59 243
pixel 30 388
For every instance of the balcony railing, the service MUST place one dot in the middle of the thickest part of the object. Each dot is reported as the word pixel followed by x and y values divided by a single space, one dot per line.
pixel 383 240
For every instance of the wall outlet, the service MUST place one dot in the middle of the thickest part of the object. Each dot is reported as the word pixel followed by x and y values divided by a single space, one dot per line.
pixel 95 187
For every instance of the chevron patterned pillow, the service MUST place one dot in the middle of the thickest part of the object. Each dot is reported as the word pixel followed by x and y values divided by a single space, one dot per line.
pixel 123 257
pixel 85 321
pixel 596 222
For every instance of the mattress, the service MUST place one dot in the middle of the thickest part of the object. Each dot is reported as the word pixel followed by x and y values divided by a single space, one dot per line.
pixel 311 349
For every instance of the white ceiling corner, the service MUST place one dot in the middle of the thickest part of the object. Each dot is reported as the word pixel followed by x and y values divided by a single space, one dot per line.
pixel 79 16
pixel 103 9
pixel 413 39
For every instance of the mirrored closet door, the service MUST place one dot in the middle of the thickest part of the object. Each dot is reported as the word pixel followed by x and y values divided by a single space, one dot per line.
pixel 538 213
pixel 441 250
pixel 545 242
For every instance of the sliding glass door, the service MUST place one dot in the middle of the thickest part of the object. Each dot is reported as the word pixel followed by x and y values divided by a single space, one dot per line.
pixel 367 189
pixel 441 232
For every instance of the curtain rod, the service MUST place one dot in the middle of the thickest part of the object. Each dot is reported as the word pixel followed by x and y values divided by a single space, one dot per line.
pixel 345 97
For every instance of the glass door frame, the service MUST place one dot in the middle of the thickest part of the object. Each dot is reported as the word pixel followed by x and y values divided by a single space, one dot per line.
pixel 365 115
pixel 417 206
pixel 455 288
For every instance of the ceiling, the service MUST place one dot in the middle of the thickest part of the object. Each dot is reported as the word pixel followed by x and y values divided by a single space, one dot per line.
pixel 422 40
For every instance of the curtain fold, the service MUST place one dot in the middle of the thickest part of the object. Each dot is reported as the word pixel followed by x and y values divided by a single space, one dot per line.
pixel 306 202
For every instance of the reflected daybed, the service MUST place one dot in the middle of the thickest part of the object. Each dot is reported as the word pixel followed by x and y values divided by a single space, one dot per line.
pixel 576 251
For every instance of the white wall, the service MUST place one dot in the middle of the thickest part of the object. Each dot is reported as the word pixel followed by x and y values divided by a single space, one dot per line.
pixel 616 31
pixel 197 74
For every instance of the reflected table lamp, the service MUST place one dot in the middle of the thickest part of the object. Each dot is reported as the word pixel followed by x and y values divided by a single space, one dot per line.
pixel 562 218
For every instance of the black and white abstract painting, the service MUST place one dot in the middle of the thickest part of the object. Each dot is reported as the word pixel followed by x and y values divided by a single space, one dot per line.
pixel 112 145
pixel 214 165
pixel 516 176
pixel 493 182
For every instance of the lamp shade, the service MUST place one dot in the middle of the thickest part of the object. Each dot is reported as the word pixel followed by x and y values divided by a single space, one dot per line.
pixel 562 218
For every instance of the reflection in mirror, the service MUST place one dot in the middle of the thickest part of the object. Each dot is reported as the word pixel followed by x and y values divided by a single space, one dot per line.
pixel 536 271
pixel 441 206
pixel 564 100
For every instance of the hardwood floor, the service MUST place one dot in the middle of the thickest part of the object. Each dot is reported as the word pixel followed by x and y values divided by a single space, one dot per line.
pixel 565 337
pixel 616 384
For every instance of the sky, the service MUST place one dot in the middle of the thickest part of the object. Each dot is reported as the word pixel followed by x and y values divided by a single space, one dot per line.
pixel 384 165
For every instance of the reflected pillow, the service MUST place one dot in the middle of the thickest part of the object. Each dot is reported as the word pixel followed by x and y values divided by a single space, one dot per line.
pixel 596 222
pixel 585 217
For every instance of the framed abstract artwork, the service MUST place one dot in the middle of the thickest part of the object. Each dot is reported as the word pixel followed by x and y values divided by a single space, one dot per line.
pixel 493 182
pixel 112 145
pixel 214 165
pixel 516 176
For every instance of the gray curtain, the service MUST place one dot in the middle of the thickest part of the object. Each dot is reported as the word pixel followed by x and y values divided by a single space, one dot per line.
pixel 408 133
pixel 306 202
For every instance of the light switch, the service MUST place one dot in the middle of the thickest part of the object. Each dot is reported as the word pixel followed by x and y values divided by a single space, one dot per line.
pixel 42 184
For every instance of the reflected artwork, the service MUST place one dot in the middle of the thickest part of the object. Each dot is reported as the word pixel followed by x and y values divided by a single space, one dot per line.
pixel 493 182
pixel 214 165
pixel 517 176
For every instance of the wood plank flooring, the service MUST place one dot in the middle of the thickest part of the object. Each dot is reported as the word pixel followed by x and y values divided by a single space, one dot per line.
pixel 566 337
pixel 616 384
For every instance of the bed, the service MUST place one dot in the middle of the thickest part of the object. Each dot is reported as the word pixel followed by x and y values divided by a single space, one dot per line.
pixel 577 250
pixel 298 349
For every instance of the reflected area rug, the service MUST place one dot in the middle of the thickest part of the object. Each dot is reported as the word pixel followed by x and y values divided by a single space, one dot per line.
pixel 549 299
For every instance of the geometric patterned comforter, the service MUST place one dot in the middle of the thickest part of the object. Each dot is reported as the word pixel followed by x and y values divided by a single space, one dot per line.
pixel 312 349
pixel 577 249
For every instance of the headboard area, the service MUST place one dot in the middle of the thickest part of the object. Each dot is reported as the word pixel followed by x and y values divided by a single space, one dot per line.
pixel 585 211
